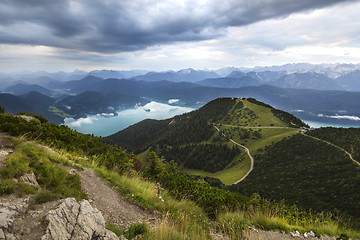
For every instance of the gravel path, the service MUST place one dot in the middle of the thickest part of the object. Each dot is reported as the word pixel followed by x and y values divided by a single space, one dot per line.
pixel 114 207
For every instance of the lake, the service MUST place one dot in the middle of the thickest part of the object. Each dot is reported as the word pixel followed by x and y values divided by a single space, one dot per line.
pixel 106 124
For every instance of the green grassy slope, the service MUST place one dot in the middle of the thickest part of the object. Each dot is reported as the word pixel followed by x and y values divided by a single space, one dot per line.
pixel 192 141
pixel 307 172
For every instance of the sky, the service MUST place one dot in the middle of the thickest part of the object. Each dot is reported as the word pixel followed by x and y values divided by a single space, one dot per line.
pixel 160 35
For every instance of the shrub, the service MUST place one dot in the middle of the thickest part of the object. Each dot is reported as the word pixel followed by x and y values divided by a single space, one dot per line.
pixel 44 196
pixel 136 229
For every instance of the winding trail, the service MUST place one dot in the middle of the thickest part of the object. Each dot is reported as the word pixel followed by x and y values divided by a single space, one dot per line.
pixel 247 151
pixel 331 144
pixel 236 126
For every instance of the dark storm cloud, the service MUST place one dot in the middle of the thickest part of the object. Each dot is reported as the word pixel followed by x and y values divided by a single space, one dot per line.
pixel 111 26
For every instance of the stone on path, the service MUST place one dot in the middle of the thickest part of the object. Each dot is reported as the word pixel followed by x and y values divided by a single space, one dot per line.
pixel 73 220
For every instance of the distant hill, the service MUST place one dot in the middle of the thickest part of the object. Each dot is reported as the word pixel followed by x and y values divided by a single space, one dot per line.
pixel 116 74
pixel 81 85
pixel 265 76
pixel 229 82
pixel 32 102
pixel 185 75
pixel 96 102
pixel 308 80
pixel 14 104
pixel 214 153
pixel 350 81
pixel 20 89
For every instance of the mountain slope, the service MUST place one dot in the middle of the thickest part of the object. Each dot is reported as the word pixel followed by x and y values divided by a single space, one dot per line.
pixel 308 173
pixel 32 102
pixel 96 102
pixel 200 146
pixel 229 82
pixel 20 89
pixel 308 80
pixel 184 75
pixel 350 81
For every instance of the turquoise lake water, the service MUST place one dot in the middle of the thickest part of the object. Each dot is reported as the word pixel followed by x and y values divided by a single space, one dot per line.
pixel 104 125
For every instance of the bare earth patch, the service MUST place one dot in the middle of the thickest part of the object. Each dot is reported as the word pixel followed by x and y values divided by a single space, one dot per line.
pixel 114 207
pixel 6 148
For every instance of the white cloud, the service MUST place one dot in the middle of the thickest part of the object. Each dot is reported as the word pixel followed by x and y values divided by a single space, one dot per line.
pixel 186 39
pixel 171 101
pixel 346 117
pixel 78 123
pixel 354 118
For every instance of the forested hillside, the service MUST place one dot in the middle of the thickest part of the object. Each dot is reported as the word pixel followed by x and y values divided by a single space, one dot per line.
pixel 192 141
pixel 346 138
pixel 310 173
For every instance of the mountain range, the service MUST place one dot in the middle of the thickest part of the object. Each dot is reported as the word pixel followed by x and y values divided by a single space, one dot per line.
pixel 309 91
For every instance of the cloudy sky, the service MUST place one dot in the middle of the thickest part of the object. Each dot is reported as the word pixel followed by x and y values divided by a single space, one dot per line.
pixel 160 35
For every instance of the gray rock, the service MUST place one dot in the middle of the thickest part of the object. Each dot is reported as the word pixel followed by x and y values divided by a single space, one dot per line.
pixel 2 234
pixel 309 234
pixel 76 221
pixel 30 179
pixel 296 234
pixel 7 218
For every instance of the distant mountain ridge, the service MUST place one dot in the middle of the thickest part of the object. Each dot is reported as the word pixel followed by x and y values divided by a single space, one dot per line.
pixel 309 80
pixel 20 89
pixel 184 75
pixel 230 82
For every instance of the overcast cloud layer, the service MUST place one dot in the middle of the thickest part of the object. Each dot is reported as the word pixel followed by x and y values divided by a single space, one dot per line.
pixel 108 31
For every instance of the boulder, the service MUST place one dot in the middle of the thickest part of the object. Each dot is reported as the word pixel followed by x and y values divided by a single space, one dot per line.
pixel 9 211
pixel 29 178
pixel 73 220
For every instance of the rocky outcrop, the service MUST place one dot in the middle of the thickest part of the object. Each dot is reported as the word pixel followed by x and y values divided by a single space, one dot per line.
pixel 29 178
pixel 73 220
pixel 9 211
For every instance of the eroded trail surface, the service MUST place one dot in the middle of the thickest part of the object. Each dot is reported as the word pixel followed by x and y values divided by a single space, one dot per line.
pixel 114 207
pixel 6 148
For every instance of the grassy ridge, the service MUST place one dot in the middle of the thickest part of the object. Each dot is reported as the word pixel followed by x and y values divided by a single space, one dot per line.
pixel 54 181
pixel 186 138
pixel 308 173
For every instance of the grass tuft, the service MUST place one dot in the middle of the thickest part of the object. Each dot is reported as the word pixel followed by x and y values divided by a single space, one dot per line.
pixel 114 229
